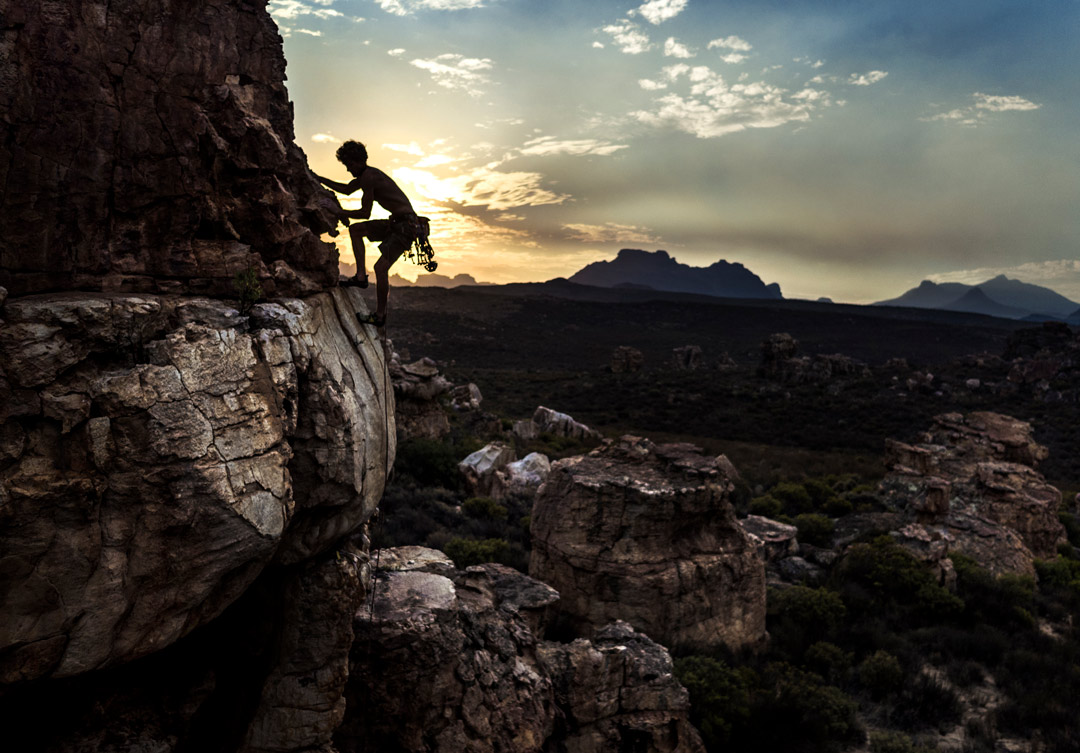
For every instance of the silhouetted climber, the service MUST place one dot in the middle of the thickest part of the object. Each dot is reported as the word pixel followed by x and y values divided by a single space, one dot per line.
pixel 394 235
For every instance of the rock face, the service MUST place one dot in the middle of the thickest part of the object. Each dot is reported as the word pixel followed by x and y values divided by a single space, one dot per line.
pixel 156 453
pixel 971 483
pixel 417 389
pixel 686 358
pixel 452 661
pixel 481 469
pixel 148 147
pixel 645 533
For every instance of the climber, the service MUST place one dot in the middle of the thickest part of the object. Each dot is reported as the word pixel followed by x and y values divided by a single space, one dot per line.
pixel 394 235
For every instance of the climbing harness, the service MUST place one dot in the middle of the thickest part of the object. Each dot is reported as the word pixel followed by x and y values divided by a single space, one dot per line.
pixel 420 252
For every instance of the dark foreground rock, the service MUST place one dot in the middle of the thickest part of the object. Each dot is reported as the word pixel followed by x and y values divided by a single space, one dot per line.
pixel 646 533
pixel 449 660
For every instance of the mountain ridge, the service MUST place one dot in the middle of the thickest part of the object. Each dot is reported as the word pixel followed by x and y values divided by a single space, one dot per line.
pixel 660 271
pixel 999 296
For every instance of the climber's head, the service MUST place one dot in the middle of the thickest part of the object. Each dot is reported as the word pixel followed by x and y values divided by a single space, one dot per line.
pixel 353 155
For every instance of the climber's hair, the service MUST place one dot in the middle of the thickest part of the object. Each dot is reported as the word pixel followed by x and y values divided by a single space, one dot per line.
pixel 352 150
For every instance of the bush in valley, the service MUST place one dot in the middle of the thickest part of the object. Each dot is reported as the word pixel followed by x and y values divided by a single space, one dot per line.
pixel 429 462
pixel 881 674
pixel 815 529
pixel 766 506
pixel 882 578
pixel 794 497
pixel 484 508
pixel 889 741
pixel 925 703
pixel 719 698
pixel 800 616
pixel 828 660
pixel 468 552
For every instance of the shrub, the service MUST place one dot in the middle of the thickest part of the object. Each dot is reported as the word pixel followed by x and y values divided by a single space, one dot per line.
pixel 468 552
pixel 815 716
pixel 887 741
pixel 815 529
pixel 793 497
pixel 719 697
pixel 1006 600
pixel 768 507
pixel 881 674
pixel 882 577
pixel 428 462
pixel 484 508
pixel 799 616
pixel 828 660
pixel 1072 527
pixel 248 289
pixel 925 703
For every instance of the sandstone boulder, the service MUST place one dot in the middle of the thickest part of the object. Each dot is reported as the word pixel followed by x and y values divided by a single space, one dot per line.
pixel 777 539
pixel 526 475
pixel 780 363
pixel 561 425
pixel 686 358
pixel 646 533
pixel 418 387
pixel 481 469
pixel 159 452
pixel 626 360
pixel 467 397
pixel 148 147
pixel 971 484
pixel 449 660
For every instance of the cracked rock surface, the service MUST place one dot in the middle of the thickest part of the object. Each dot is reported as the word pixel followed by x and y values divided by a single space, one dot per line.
pixel 450 660
pixel 646 533
pixel 157 452
pixel 148 146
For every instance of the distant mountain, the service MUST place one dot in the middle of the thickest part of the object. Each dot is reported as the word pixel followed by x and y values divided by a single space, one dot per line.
pixel 976 301
pixel 435 280
pixel 1074 318
pixel 1000 296
pixel 659 271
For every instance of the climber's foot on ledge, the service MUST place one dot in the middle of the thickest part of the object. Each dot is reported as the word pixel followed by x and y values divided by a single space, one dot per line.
pixel 354 282
pixel 378 321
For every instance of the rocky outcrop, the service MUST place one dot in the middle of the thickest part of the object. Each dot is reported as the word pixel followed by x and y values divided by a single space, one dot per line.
pixel 780 363
pixel 481 470
pixel 686 358
pixel 418 387
pixel 971 484
pixel 526 475
pixel 626 360
pixel 148 147
pixel 561 425
pixel 646 533
pixel 158 452
pixel 449 660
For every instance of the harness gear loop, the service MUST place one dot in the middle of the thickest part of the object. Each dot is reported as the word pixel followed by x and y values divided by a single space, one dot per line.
pixel 420 251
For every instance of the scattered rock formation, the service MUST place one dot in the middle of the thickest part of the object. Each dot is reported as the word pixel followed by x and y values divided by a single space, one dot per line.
pixel 645 533
pixel 449 660
pixel 418 386
pixel 625 360
pixel 971 484
pixel 481 468
pixel 467 397
pixel 686 358
pixel 780 363
pixel 158 452
pixel 526 475
pixel 561 425
pixel 149 148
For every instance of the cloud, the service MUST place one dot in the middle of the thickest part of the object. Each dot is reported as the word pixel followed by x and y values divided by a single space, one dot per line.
pixel 650 85
pixel 598 45
pixel 629 37
pixel 292 9
pixel 325 138
pixel 549 145
pixel 396 52
pixel 610 232
pixel 1003 104
pixel 453 71
pixel 731 43
pixel 975 114
pixel 309 32
pixel 716 108
pixel 1062 276
pixel 866 79
pixel 673 49
pixel 482 187
pixel 411 148
pixel 408 7
pixel 658 11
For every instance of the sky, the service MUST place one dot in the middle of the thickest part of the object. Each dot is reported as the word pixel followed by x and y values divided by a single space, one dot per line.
pixel 842 148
